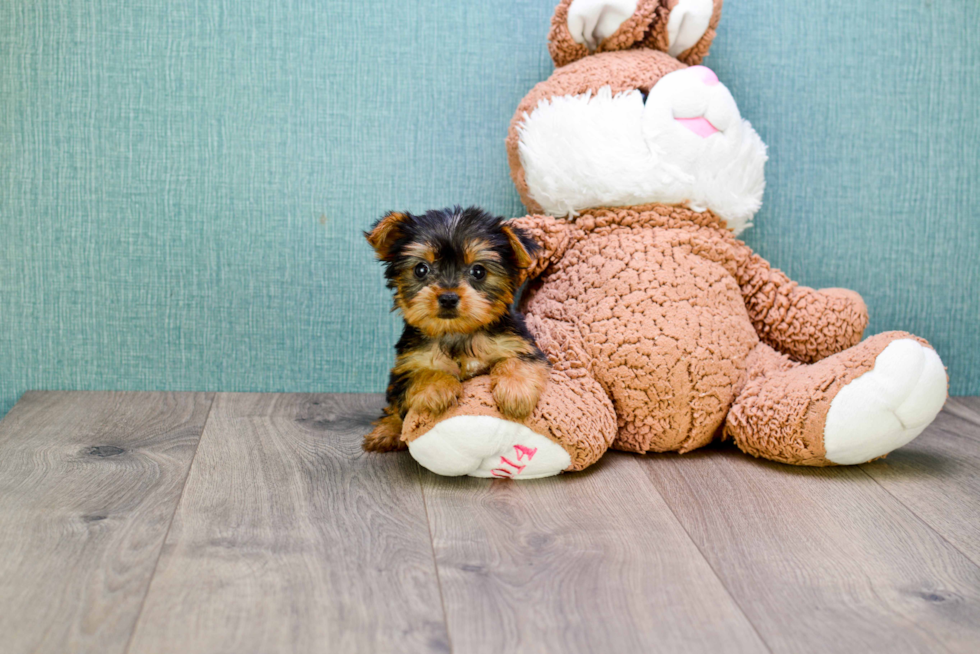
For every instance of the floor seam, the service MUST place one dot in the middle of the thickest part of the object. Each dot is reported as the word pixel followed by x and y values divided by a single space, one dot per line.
pixel 163 543
pixel 704 558
pixel 435 563
pixel 917 516
pixel 973 419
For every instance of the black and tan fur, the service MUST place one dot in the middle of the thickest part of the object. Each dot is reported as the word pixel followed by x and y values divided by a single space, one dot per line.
pixel 454 274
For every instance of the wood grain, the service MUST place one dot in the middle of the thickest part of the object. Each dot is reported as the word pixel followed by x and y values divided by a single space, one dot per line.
pixel 88 485
pixel 937 476
pixel 822 560
pixel 289 538
pixel 590 562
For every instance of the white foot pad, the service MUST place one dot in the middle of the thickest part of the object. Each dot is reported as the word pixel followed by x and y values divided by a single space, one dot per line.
pixel 886 407
pixel 484 446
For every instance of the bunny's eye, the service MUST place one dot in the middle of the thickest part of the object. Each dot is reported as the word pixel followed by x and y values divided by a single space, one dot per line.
pixel 421 271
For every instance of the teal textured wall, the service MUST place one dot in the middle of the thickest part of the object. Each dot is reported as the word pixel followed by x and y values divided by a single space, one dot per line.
pixel 183 183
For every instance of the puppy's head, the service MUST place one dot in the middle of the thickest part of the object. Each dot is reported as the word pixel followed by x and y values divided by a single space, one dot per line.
pixel 453 271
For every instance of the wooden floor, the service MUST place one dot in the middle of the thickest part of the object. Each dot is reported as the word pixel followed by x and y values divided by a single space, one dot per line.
pixel 194 522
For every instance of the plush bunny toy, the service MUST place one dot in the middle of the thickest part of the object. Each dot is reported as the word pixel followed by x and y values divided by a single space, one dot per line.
pixel 666 332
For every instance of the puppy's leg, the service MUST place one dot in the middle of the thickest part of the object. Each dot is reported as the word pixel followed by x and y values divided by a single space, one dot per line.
pixel 433 391
pixel 517 384
pixel 386 435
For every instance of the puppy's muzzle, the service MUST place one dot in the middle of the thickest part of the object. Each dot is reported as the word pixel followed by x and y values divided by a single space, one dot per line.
pixel 448 300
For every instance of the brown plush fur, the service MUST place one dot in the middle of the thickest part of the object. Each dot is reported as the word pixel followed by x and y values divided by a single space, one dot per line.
pixel 690 359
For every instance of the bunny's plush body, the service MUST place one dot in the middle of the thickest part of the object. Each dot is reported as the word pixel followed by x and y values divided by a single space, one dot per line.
pixel 665 331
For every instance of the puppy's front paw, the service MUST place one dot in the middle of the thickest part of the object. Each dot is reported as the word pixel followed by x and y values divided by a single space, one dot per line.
pixel 435 394
pixel 517 386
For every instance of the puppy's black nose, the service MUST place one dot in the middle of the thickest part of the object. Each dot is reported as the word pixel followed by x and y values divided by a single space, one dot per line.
pixel 449 300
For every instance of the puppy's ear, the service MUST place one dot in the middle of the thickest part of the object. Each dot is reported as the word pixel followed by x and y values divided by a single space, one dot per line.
pixel 385 232
pixel 524 247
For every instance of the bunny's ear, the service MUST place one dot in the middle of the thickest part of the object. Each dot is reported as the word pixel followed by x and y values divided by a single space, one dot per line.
pixel 581 27
pixel 688 31
pixel 682 28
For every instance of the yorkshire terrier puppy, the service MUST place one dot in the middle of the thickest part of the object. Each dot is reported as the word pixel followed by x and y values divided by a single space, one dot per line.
pixel 454 274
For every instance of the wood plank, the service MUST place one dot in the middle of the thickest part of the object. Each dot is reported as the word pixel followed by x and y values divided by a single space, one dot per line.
pixel 289 538
pixel 822 559
pixel 937 476
pixel 88 485
pixel 590 562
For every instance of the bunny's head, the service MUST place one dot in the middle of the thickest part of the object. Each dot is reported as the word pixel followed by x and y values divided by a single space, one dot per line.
pixel 629 117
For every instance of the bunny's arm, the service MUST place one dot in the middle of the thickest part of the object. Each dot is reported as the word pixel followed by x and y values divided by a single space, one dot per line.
pixel 804 323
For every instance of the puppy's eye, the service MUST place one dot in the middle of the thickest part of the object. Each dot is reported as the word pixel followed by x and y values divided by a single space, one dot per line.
pixel 478 272
pixel 421 270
